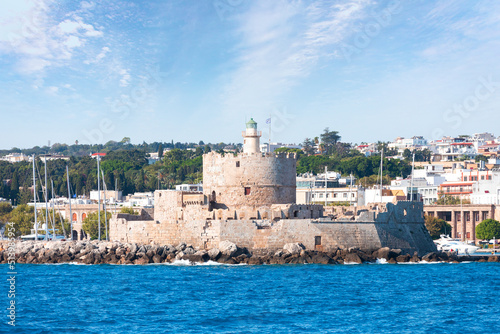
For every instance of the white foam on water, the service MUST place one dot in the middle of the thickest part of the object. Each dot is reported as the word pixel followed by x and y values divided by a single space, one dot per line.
pixel 381 261
pixel 351 263
pixel 189 263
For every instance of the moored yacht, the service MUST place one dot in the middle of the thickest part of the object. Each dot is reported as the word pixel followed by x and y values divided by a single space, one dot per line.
pixel 447 244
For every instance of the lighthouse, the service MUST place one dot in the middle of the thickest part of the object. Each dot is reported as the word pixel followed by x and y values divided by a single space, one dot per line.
pixel 251 141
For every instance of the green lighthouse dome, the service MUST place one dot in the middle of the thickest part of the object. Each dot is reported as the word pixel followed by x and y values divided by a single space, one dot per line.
pixel 251 124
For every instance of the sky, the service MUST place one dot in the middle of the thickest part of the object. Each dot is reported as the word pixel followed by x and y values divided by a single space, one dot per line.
pixel 158 70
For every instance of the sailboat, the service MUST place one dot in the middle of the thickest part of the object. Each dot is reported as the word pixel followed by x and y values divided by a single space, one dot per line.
pixel 34 231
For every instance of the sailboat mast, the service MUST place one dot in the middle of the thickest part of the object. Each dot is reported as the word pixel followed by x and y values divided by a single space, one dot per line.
pixel 381 172
pixel 34 198
pixel 98 201
pixel 46 204
pixel 104 204
pixel 412 169
pixel 53 212
pixel 69 199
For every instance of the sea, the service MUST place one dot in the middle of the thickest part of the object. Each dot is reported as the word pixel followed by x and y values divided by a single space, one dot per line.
pixel 215 298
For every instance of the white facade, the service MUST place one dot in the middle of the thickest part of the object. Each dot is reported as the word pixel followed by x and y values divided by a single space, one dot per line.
pixel 487 191
pixel 189 187
pixel 428 194
pixel 15 157
pixel 140 199
pixel 111 195
pixel 269 148
pixel 332 195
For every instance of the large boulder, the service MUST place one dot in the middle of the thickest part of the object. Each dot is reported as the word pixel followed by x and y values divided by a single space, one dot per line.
pixel 352 258
pixel 386 253
pixel 293 248
pixel 199 256
pixel 214 254
pixel 322 258
pixel 228 248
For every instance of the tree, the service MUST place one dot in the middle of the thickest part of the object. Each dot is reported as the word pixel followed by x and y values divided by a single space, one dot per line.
pixel 5 210
pixel 450 200
pixel 329 139
pixel 125 140
pixel 481 157
pixel 436 226
pixel 488 229
pixel 23 217
pixel 407 155
pixel 128 210
pixel 160 151
pixel 90 225
pixel 308 146
pixel 14 187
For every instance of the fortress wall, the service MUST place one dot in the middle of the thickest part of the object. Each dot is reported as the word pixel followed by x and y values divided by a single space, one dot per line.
pixel 266 234
pixel 199 233
pixel 269 178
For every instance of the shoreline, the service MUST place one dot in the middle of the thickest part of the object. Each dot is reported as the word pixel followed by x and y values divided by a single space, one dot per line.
pixel 103 252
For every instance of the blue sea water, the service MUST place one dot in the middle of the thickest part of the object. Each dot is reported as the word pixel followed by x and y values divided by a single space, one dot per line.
pixel 369 298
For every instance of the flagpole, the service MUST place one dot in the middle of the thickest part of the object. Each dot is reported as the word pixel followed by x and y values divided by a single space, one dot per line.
pixel 269 145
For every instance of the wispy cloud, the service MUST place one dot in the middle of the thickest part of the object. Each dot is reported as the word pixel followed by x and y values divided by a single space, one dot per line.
pixel 282 42
pixel 28 30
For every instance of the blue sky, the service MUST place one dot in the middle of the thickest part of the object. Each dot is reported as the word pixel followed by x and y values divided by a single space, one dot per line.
pixel 95 71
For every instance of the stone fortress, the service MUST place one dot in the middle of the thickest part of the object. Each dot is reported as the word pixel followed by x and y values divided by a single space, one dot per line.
pixel 249 199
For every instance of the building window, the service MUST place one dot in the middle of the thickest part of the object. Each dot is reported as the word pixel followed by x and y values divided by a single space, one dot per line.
pixel 237 164
pixel 482 177
pixel 345 195
pixel 465 178
pixel 334 195
pixel 247 191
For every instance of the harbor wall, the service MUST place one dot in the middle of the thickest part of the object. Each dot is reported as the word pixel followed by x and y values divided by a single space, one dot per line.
pixel 399 226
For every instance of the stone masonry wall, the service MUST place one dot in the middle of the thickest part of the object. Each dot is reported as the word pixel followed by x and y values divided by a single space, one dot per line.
pixel 265 234
pixel 269 179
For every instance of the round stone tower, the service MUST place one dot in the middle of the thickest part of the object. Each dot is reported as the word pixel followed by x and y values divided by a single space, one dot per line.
pixel 249 179
pixel 251 141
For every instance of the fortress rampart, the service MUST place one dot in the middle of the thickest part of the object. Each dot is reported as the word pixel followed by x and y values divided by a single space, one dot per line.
pixel 249 179
pixel 398 225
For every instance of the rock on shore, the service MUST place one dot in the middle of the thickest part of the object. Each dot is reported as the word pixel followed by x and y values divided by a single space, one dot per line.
pixel 102 252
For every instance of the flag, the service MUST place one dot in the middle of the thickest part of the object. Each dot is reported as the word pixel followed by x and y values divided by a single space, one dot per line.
pixel 268 121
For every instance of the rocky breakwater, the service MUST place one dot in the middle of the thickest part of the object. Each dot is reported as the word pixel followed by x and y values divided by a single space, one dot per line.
pixel 102 252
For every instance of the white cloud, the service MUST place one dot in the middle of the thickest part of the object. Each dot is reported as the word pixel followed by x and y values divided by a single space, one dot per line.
pixel 28 30
pixel 52 90
pixel 282 43
pixel 73 42
pixel 125 77
pixel 99 57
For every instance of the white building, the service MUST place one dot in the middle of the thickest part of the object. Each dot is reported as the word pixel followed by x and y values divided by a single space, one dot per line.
pixel 15 157
pixel 269 148
pixel 190 187
pixel 487 191
pixel 145 200
pixel 111 195
pixel 413 143
pixel 311 189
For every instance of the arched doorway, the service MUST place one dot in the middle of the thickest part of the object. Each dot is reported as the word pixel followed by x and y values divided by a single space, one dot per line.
pixel 84 215
pixel 74 217
pixel 75 235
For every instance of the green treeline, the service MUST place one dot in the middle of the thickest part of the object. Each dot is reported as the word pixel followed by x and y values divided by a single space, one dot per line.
pixel 127 168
